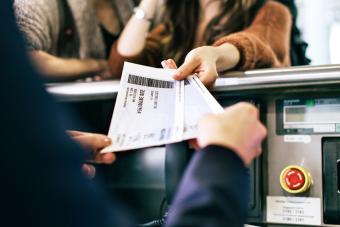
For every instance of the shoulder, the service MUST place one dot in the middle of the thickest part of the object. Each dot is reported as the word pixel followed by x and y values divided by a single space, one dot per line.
pixel 29 6
pixel 37 20
pixel 275 8
pixel 37 10
pixel 272 13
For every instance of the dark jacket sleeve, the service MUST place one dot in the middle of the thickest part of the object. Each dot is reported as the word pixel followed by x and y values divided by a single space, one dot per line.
pixel 214 191
pixel 40 167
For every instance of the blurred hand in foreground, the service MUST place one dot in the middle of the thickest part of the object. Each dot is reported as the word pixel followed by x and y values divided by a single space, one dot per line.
pixel 94 143
pixel 237 128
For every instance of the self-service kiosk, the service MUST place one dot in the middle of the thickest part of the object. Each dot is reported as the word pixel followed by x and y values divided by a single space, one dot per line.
pixel 297 179
pixel 299 184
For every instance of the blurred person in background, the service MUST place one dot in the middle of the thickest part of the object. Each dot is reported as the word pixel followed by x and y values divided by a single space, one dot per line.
pixel 208 36
pixel 68 39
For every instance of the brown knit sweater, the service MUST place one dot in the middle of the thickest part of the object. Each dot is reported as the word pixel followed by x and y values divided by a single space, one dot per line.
pixel 264 44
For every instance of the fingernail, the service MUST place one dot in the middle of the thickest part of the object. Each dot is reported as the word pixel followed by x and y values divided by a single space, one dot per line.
pixel 163 64
pixel 107 140
pixel 89 170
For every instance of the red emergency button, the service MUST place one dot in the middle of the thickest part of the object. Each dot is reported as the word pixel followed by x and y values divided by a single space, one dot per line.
pixel 295 179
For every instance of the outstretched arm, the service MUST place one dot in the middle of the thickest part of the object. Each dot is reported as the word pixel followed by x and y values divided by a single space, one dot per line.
pixel 214 190
pixel 264 44
pixel 136 44
pixel 67 68
pixel 132 40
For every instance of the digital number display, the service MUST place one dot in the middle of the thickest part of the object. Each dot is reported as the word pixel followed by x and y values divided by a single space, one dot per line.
pixel 308 116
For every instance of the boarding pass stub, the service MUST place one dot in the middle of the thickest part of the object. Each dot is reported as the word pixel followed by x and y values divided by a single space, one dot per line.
pixel 153 109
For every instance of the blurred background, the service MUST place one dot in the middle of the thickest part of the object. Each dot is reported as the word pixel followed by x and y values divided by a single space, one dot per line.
pixel 319 21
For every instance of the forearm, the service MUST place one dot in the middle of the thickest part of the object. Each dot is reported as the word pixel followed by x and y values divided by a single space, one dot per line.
pixel 55 67
pixel 213 192
pixel 228 57
pixel 266 42
pixel 132 40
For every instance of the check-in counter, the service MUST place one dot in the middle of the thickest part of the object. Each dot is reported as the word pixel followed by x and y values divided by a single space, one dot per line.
pixel 249 80
pixel 294 182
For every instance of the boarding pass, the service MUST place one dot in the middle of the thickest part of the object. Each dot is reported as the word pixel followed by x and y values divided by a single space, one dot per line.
pixel 153 109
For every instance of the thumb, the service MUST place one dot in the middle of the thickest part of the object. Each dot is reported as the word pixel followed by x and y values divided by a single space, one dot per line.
pixel 208 76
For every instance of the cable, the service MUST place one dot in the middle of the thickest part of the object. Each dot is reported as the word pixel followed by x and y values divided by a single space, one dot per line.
pixel 161 208
pixel 158 222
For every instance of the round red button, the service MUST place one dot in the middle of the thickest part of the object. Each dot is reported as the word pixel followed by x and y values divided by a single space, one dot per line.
pixel 294 179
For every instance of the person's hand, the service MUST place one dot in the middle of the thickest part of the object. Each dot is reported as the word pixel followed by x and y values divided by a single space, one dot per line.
pixel 169 64
pixel 207 61
pixel 237 128
pixel 103 71
pixel 94 143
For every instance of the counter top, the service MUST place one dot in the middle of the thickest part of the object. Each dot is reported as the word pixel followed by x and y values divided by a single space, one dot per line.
pixel 256 79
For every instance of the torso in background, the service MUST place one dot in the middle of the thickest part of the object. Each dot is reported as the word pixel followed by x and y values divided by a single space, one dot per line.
pixel 113 15
pixel 39 20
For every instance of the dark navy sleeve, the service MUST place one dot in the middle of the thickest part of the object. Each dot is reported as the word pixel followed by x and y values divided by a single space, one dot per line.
pixel 40 167
pixel 214 191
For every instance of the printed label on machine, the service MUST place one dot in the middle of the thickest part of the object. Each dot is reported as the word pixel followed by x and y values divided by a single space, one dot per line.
pixel 294 210
pixel 297 139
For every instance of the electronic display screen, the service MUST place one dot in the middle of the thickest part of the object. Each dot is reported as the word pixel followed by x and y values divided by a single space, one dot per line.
pixel 309 116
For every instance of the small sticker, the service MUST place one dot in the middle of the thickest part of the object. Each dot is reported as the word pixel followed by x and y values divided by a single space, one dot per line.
pixel 297 139
pixel 294 210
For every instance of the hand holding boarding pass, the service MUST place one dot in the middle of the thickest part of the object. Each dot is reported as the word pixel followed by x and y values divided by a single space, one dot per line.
pixel 153 109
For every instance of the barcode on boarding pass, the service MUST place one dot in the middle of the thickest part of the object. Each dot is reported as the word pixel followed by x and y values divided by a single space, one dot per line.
pixel 143 81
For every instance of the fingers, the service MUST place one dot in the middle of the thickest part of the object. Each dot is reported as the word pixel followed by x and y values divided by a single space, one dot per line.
pixel 193 144
pixel 172 64
pixel 207 130
pixel 205 68
pixel 237 128
pixel 93 141
pixel 245 108
pixel 169 64
pixel 74 133
pixel 89 170
pixel 164 64
pixel 195 62
pixel 188 68
pixel 208 77
pixel 106 158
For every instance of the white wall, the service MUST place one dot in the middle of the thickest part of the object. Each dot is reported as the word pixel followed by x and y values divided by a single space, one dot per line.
pixel 318 19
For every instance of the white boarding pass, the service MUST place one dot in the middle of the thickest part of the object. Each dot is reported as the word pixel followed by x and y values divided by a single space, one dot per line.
pixel 153 109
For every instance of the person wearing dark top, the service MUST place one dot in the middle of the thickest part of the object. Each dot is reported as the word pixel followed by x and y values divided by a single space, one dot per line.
pixel 41 177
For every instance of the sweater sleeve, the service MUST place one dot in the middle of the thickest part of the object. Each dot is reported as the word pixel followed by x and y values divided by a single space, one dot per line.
pixel 151 55
pixel 266 42
pixel 33 22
